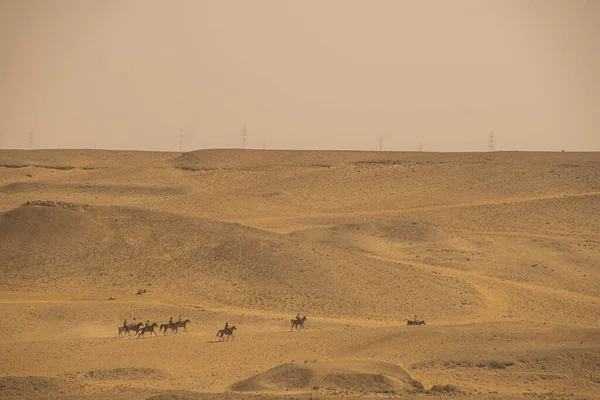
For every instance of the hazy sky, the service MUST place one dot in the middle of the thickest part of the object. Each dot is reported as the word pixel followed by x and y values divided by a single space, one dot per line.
pixel 311 74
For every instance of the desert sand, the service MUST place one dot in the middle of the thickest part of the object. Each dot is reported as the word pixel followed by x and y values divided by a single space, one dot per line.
pixel 498 252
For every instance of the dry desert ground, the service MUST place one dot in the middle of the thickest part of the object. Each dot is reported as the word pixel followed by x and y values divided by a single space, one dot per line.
pixel 498 252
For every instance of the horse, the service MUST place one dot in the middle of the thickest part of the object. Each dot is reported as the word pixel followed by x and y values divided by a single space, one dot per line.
pixel 298 322
pixel 180 324
pixel 135 328
pixel 411 322
pixel 149 328
pixel 169 325
pixel 228 332
pixel 123 330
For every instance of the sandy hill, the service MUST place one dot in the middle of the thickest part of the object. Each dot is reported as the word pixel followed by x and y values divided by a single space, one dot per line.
pixel 498 252
pixel 361 377
pixel 115 251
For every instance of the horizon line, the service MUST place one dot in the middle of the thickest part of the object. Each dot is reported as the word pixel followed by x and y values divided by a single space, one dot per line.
pixel 299 150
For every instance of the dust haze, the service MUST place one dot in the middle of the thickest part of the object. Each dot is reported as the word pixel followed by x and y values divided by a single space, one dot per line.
pixel 451 272
pixel 300 75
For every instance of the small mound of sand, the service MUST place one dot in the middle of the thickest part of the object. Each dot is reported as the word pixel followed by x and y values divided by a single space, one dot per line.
pixel 28 386
pixel 187 395
pixel 364 377
pixel 445 389
pixel 58 167
pixel 126 374
pixel 282 377
pixel 60 204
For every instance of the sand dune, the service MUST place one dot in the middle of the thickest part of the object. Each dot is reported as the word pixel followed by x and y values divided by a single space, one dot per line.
pixel 114 251
pixel 498 252
pixel 361 377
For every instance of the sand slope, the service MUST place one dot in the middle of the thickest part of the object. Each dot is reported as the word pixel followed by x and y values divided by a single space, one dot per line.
pixel 112 251
pixel 498 252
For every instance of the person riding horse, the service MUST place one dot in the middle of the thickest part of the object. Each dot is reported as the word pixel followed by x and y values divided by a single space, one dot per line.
pixel 227 331
pixel 171 320
pixel 125 323
pixel 298 322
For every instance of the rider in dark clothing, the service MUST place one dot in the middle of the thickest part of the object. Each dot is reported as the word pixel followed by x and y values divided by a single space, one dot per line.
pixel 226 325
pixel 171 321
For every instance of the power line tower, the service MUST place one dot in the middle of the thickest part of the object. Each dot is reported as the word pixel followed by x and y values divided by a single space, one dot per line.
pixel 380 146
pixel 491 139
pixel 421 146
pixel 31 140
pixel 244 137
pixel 180 139
pixel 264 144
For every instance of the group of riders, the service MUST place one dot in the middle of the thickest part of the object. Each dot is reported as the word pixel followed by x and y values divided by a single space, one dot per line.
pixel 140 328
pixel 297 322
